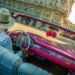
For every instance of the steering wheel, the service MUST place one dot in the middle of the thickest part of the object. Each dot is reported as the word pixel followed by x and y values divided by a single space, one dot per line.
pixel 22 37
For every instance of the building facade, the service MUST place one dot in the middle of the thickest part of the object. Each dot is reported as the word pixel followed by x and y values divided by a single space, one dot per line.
pixel 56 11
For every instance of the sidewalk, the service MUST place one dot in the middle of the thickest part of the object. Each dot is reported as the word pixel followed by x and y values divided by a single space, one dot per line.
pixel 70 45
pixel 65 39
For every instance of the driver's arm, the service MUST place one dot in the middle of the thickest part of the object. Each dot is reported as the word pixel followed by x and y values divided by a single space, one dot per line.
pixel 5 41
pixel 8 44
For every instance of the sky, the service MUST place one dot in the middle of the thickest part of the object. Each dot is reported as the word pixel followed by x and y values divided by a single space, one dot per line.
pixel 72 15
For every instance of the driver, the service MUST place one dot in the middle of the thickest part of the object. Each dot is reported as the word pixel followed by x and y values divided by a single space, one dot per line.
pixel 5 22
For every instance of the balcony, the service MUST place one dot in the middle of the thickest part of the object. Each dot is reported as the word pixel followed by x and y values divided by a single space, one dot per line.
pixel 15 6
pixel 0 2
pixel 10 4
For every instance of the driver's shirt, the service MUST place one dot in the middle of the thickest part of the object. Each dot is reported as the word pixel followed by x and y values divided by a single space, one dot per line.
pixel 5 41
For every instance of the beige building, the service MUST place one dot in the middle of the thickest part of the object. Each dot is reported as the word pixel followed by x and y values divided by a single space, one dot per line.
pixel 56 11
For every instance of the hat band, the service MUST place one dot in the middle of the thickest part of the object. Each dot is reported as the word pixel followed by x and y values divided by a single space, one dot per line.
pixel 4 22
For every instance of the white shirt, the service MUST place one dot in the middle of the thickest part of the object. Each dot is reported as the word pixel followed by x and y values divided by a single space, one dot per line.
pixel 5 40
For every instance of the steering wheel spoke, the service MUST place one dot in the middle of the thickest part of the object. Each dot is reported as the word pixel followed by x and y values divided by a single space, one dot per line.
pixel 22 37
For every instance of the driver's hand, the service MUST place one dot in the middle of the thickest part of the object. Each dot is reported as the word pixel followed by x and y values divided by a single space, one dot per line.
pixel 24 52
pixel 11 35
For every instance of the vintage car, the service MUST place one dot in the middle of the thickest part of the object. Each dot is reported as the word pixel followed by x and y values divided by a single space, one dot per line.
pixel 49 49
pixel 46 49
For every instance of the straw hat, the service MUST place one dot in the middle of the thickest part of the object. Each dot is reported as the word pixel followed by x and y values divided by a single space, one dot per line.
pixel 5 20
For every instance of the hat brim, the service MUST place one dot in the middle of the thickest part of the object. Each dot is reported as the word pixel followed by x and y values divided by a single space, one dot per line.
pixel 10 24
